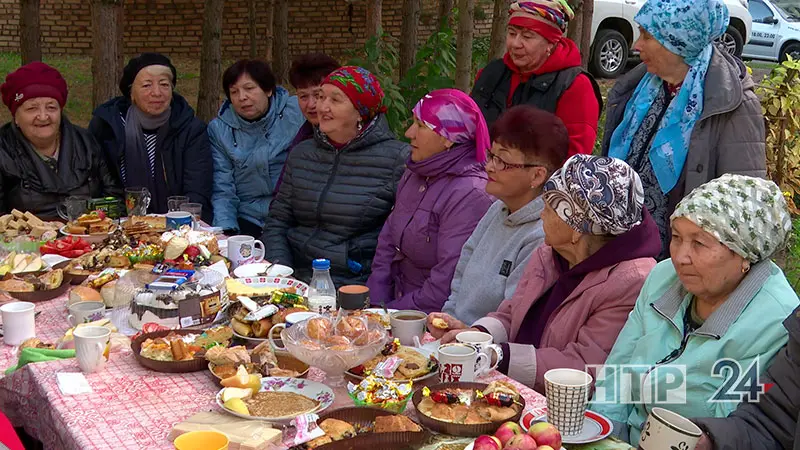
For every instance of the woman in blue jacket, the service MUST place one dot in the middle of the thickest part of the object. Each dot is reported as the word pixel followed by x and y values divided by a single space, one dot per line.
pixel 249 142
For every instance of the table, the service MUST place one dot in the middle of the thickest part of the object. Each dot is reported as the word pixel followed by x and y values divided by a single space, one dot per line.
pixel 131 407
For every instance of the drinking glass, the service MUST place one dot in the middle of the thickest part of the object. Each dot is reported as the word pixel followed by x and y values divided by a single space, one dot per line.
pixel 174 203
pixel 137 199
pixel 196 209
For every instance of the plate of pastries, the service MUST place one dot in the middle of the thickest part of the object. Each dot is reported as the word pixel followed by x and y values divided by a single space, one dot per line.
pixel 414 364
pixel 92 227
pixel 178 351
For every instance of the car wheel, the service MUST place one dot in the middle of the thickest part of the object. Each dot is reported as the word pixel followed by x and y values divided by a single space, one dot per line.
pixel 732 41
pixel 791 49
pixel 609 54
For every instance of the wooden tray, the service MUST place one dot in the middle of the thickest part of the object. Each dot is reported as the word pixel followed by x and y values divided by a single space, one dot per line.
pixel 365 417
pixel 457 429
pixel 43 296
pixel 193 365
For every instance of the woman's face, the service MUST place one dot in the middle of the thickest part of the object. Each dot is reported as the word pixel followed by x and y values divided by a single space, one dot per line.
pixel 151 91
pixel 39 119
pixel 528 49
pixel 508 182
pixel 707 268
pixel 557 233
pixel 338 118
pixel 248 99
pixel 658 60
pixel 307 99
pixel 424 141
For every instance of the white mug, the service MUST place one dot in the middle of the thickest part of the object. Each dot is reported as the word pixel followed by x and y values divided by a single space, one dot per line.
pixel 482 341
pixel 92 347
pixel 19 322
pixel 408 324
pixel 462 362
pixel 242 250
pixel 666 430
pixel 85 312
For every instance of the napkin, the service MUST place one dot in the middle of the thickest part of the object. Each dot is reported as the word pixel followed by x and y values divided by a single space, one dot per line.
pixel 34 355
pixel 73 383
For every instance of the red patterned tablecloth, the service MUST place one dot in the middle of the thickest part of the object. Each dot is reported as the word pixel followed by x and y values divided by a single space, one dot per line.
pixel 130 407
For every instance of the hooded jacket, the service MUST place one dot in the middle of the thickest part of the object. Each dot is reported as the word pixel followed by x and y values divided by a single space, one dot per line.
pixel 27 182
pixel 333 202
pixel 439 202
pixel 729 137
pixel 493 259
pixel 249 158
pixel 185 152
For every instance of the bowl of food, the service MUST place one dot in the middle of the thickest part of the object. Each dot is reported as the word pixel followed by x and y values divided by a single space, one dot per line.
pixel 32 288
pixel 378 392
pixel 274 399
pixel 416 365
pixel 178 351
pixel 224 362
pixel 333 346
pixel 354 427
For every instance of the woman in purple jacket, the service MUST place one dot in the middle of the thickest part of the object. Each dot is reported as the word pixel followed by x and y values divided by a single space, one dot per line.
pixel 440 200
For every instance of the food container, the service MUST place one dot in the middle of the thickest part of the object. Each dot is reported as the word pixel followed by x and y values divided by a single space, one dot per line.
pixel 457 429
pixel 285 361
pixel 364 417
pixel 193 365
pixel 395 407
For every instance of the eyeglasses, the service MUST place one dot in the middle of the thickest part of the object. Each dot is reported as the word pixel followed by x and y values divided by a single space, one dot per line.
pixel 501 165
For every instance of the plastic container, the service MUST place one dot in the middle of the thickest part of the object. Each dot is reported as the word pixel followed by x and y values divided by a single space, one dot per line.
pixel 395 407
pixel 321 291
pixel 202 440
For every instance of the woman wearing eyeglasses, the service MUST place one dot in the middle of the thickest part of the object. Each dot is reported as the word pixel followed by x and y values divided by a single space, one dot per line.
pixel 528 144
pixel 440 199
pixel 577 290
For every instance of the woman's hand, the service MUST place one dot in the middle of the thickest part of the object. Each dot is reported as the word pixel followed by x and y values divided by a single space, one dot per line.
pixel 440 324
pixel 704 443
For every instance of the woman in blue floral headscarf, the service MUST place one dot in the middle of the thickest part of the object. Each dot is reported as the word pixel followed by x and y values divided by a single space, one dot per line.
pixel 690 113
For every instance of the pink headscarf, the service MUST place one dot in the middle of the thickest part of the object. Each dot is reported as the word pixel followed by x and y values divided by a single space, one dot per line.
pixel 453 115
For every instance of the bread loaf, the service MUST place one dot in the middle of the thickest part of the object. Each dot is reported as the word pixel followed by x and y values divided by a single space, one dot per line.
pixel 83 294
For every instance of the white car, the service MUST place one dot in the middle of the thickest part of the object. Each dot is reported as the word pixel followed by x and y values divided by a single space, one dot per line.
pixel 614 31
pixel 776 30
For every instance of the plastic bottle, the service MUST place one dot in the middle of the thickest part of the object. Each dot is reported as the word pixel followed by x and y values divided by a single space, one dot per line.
pixel 321 291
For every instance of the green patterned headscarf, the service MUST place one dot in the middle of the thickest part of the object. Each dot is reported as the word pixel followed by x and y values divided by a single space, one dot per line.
pixel 748 215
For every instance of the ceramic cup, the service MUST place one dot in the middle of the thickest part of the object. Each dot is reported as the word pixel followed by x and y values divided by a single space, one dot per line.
pixel 407 324
pixel 567 392
pixel 462 362
pixel 91 347
pixel 666 430
pixel 482 341
pixel 19 322
pixel 85 312
pixel 354 296
pixel 241 250
pixel 202 440
pixel 196 210
pixel 177 219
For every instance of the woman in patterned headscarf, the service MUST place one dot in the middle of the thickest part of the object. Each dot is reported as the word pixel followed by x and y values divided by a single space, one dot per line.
pixel 578 288
pixel 339 187
pixel 440 200
pixel 689 113
pixel 719 297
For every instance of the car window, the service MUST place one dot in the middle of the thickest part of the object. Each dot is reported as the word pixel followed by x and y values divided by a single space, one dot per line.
pixel 789 9
pixel 759 11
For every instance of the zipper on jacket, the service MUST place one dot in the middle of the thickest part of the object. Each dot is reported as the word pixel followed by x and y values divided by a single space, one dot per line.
pixel 235 144
pixel 322 197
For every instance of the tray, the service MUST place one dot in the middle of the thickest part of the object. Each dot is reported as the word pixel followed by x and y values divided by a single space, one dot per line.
pixel 193 365
pixel 365 417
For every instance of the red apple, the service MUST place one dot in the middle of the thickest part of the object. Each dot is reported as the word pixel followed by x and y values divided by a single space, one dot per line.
pixel 521 442
pixel 546 434
pixel 544 447
pixel 507 431
pixel 486 442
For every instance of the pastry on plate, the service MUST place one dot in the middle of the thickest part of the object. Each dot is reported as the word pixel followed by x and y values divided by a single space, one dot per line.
pixel 390 424
pixel 337 429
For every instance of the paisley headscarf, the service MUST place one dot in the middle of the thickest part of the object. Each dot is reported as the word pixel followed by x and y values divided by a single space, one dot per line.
pixel 361 87
pixel 549 18
pixel 748 215
pixel 596 195
pixel 688 29
pixel 454 115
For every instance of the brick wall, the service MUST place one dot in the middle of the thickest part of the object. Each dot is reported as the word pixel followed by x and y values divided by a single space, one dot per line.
pixel 175 26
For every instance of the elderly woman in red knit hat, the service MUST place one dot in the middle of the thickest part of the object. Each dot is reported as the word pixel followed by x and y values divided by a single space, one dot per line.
pixel 339 187
pixel 542 68
pixel 44 158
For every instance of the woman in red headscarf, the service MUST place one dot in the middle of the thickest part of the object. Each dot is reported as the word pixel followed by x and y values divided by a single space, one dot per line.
pixel 542 68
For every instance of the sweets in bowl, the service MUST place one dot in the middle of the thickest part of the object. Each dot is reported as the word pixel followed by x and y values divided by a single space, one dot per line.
pixel 383 393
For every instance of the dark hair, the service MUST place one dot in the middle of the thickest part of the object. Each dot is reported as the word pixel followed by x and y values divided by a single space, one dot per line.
pixel 538 134
pixel 310 69
pixel 257 69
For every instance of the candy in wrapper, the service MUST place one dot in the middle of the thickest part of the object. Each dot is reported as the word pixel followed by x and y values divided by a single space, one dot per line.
pixel 391 347
pixel 286 299
pixel 386 368
pixel 307 429
pixel 450 397
pixel 381 392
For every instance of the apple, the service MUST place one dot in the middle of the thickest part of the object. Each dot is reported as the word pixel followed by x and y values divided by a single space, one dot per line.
pixel 521 442
pixel 486 442
pixel 546 434
pixel 544 447
pixel 507 431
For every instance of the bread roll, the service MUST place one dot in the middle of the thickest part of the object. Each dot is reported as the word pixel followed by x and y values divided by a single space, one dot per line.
pixel 83 294
pixel 261 327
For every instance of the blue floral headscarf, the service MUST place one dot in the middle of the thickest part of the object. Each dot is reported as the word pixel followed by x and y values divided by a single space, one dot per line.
pixel 688 29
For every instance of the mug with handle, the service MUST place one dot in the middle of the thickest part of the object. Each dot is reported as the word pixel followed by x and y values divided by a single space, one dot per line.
pixel 241 250
pixel 72 208
pixel 91 347
pixel 137 200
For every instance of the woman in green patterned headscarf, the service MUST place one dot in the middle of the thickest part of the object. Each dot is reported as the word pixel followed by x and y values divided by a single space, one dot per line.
pixel 719 297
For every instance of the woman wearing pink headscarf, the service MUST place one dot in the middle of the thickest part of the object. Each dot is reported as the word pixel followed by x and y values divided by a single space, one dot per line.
pixel 440 200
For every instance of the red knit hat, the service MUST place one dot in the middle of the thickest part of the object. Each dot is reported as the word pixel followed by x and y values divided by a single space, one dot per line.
pixel 33 80
pixel 361 87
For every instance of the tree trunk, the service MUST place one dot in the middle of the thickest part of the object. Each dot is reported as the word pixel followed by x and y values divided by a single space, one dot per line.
pixel 374 17
pixel 107 50
pixel 466 24
pixel 30 45
pixel 210 61
pixel 269 36
pixel 280 50
pixel 251 27
pixel 585 42
pixel 408 34
pixel 497 42
pixel 576 25
pixel 445 13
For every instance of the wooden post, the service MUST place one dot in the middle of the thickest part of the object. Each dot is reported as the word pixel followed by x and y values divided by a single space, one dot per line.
pixel 408 35
pixel 107 50
pixel 280 51
pixel 466 27
pixel 210 61
pixel 497 42
pixel 374 18
pixel 251 27
pixel 445 12
pixel 30 45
